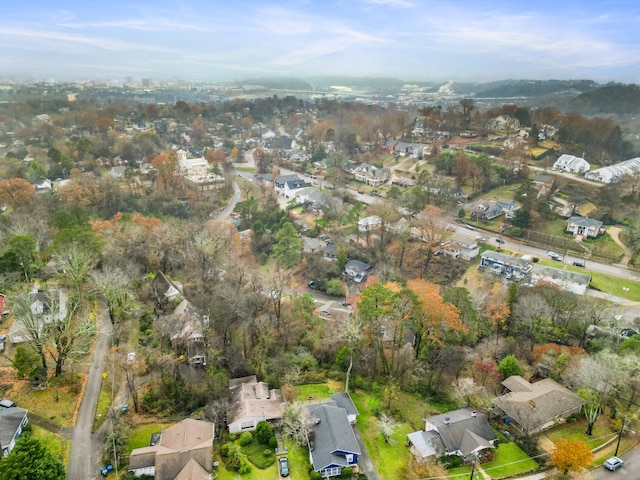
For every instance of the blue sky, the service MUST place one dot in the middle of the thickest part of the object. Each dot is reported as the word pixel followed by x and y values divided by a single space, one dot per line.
pixel 462 40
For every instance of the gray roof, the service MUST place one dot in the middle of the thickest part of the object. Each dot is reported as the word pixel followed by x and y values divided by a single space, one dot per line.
pixel 10 420
pixel 343 400
pixel 357 266
pixel 464 430
pixel 541 403
pixel 506 259
pixel 422 444
pixel 331 433
pixel 585 222
pixel 282 179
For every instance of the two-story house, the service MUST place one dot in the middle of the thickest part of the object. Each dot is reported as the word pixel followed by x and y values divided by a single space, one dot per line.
pixel 12 423
pixel 462 247
pixel 370 174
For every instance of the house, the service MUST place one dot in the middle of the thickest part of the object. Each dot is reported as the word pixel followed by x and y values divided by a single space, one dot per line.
pixel 282 180
pixel 500 263
pixel 404 148
pixel 585 226
pixel 343 400
pixel 332 442
pixel 571 164
pixel 164 289
pixel 34 310
pixel 356 270
pixel 462 432
pixel 615 173
pixel 183 452
pixel 462 247
pixel 185 326
pixel 191 166
pixel 291 187
pixel 12 423
pixel 370 174
pixel 534 407
pixel 574 282
pixel 369 223
pixel 330 252
pixel 332 310
pixel 118 172
pixel 503 122
pixel 251 402
pixel 486 210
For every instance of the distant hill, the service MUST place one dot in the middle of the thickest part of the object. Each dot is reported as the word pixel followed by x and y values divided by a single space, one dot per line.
pixel 278 83
pixel 528 88
pixel 611 98
pixel 358 82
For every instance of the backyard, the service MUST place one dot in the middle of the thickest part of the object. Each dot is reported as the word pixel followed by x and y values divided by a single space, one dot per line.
pixel 509 460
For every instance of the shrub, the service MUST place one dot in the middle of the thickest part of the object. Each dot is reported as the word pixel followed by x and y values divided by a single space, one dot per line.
pixel 347 472
pixel 273 441
pixel 267 452
pixel 451 461
pixel 245 439
pixel 264 431
pixel 315 476
pixel 224 449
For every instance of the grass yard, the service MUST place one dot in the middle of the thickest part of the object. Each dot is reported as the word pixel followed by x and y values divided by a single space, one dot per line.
pixel 576 431
pixel 56 402
pixel 56 444
pixel 141 435
pixel 389 458
pixel 319 391
pixel 612 285
pixel 509 460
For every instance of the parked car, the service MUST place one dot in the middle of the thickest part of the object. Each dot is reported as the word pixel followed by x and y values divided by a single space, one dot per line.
pixel 613 463
pixel 437 253
pixel 283 463
pixel 5 403
pixel 499 240
pixel 312 285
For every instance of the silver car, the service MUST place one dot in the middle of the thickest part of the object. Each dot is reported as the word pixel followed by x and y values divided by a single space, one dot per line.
pixel 613 463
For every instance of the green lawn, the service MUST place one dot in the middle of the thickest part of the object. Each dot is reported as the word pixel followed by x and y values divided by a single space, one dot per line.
pixel 576 431
pixel 319 391
pixel 389 458
pixel 56 444
pixel 104 402
pixel 614 285
pixel 141 435
pixel 509 460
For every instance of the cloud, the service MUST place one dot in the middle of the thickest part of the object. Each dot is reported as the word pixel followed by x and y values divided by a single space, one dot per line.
pixel 146 25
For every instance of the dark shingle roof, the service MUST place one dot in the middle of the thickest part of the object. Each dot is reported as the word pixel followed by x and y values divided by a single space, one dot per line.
pixel 463 429
pixel 10 420
pixel 332 433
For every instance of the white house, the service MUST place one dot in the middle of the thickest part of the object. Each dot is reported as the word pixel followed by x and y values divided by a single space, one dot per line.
pixel 251 402
pixel 369 223
pixel 462 247
pixel 614 173
pixel 585 226
pixel 571 164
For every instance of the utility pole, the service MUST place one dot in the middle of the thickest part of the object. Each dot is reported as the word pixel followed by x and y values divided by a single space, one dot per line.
pixel 625 422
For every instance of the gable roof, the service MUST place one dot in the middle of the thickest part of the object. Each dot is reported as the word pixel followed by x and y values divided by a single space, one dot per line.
pixel 538 404
pixel 10 420
pixel 343 400
pixel 332 434
pixel 463 430
pixel 251 398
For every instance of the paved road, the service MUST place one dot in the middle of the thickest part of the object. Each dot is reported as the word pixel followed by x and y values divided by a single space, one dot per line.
pixel 630 470
pixel 364 460
pixel 85 446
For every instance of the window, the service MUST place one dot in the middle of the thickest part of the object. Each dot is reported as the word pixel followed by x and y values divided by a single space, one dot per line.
pixel 331 472
pixel 246 425
pixel 349 458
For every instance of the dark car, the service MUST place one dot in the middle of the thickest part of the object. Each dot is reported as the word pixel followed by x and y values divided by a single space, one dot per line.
pixel 283 463
pixel 312 285
pixel 499 240
pixel 578 264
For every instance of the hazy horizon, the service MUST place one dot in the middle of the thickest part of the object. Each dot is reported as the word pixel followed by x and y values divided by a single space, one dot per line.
pixel 405 39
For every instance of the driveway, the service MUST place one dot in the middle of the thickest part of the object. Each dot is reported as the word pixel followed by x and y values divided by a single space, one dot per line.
pixel 85 446
pixel 364 460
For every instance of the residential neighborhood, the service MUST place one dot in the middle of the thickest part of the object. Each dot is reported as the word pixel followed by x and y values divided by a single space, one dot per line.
pixel 272 287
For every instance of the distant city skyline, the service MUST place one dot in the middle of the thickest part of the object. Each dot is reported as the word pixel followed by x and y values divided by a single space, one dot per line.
pixel 413 40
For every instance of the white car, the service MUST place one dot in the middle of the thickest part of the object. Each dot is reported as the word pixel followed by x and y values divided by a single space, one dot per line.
pixel 554 256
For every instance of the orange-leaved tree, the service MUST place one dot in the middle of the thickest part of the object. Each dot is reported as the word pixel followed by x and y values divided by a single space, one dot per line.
pixel 16 192
pixel 434 317
pixel 571 455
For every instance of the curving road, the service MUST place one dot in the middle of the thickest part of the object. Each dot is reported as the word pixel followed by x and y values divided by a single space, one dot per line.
pixel 85 446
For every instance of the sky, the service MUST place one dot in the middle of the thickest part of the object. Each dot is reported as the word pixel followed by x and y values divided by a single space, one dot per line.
pixel 414 40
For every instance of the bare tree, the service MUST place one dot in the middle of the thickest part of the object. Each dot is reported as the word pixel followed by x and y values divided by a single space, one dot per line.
pixel 351 332
pixel 297 423
pixel 113 285
pixel 76 263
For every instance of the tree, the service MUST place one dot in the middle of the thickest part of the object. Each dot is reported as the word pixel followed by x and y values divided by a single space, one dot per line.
pixel 264 431
pixel 31 459
pixel 296 423
pixel 112 284
pixel 509 366
pixel 288 247
pixel 166 166
pixel 76 262
pixel 571 455
pixel 26 361
pixel 386 426
pixel 16 192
